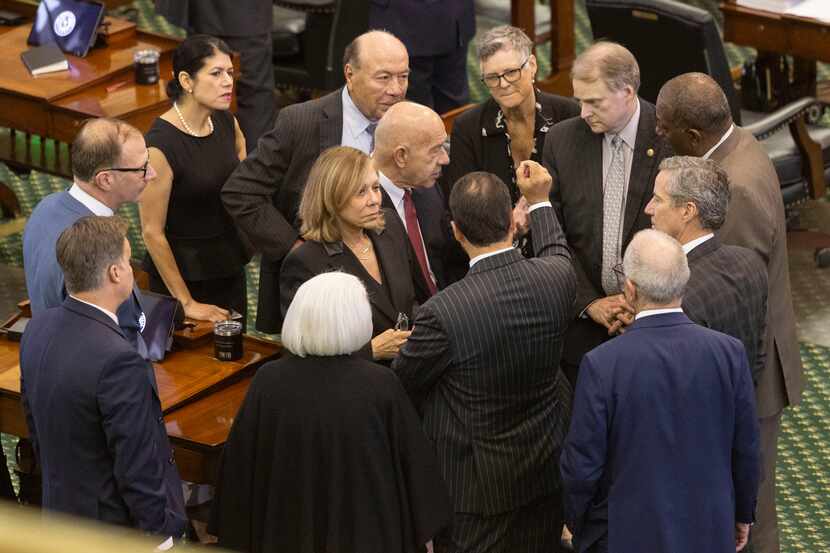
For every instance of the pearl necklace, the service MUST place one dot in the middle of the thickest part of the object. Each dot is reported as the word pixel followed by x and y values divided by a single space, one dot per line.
pixel 187 127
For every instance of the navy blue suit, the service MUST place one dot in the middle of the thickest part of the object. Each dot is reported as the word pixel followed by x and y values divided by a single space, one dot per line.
pixel 95 421
pixel 663 448
pixel 44 277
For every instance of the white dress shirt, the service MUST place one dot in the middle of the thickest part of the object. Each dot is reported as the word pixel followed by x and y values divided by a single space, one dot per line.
pixel 692 244
pixel 478 258
pixel 92 204
pixel 354 126
pixel 109 314
pixel 650 312
pixel 721 141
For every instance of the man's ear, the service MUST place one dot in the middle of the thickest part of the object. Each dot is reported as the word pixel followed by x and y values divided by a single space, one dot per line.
pixel 103 180
pixel 689 212
pixel 401 156
pixel 694 136
pixel 630 292
pixel 457 234
pixel 348 73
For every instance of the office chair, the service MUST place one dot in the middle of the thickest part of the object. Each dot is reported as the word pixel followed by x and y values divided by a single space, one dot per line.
pixel 309 39
pixel 669 38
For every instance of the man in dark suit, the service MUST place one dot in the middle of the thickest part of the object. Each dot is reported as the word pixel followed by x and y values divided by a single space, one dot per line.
pixel 693 113
pixel 663 451
pixel 245 25
pixel 91 406
pixel 727 289
pixel 264 192
pixel 110 167
pixel 482 366
pixel 604 164
pixel 436 34
pixel 409 154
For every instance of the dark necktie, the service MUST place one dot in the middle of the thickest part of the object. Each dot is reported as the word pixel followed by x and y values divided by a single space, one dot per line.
pixel 414 232
pixel 371 130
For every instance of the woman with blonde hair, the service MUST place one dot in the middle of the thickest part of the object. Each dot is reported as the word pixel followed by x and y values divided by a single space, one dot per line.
pixel 344 229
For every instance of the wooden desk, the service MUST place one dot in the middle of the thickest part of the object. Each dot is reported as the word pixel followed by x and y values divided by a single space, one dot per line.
pixel 199 395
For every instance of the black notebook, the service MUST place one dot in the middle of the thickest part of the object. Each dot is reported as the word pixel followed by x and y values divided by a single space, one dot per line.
pixel 44 59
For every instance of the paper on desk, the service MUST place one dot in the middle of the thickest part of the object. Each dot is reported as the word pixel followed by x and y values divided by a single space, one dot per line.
pixel 816 9
pixel 778 6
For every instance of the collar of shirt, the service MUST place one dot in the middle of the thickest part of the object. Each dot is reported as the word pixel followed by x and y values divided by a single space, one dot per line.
pixel 395 194
pixel 689 246
pixel 650 312
pixel 721 141
pixel 92 204
pixel 629 131
pixel 109 314
pixel 354 122
pixel 478 258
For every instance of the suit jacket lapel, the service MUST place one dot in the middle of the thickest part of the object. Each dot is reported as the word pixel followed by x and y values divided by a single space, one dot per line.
pixel 331 124
pixel 591 149
pixel 642 166
pixel 388 254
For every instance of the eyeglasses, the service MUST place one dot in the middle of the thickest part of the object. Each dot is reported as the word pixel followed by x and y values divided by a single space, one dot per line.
pixel 142 169
pixel 510 76
pixel 619 273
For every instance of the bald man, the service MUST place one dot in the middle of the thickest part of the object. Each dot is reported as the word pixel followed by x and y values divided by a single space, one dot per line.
pixel 693 113
pixel 264 192
pixel 409 155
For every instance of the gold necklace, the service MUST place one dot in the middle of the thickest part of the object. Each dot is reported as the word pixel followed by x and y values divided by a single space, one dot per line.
pixel 361 254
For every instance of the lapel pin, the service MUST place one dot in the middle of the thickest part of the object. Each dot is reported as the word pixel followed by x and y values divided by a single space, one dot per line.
pixel 650 152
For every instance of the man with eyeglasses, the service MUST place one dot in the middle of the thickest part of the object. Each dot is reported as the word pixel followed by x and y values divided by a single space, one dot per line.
pixel 604 164
pixel 110 167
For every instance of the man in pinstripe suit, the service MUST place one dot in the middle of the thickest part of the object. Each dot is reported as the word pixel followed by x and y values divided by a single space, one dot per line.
pixel 482 367
pixel 727 289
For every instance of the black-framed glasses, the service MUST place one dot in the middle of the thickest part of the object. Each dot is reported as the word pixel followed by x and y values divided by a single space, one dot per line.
pixel 142 169
pixel 510 76
pixel 619 273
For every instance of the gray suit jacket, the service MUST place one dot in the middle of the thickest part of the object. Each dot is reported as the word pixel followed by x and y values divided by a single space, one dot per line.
pixel 727 292
pixel 756 221
pixel 482 366
pixel 263 193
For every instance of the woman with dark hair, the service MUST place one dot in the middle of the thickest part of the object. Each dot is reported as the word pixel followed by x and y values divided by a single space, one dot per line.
pixel 345 229
pixel 194 251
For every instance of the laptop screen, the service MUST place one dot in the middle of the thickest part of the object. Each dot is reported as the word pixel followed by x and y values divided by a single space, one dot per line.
pixel 71 24
pixel 159 312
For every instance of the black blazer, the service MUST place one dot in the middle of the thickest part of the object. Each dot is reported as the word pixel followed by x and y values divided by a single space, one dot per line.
pixel 482 366
pixel 727 292
pixel 95 420
pixel 446 257
pixel 573 155
pixel 405 287
pixel 263 194
pixel 478 144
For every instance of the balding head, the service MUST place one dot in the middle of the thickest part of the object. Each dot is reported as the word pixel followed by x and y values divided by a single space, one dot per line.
pixel 110 161
pixel 656 270
pixel 693 113
pixel 409 145
pixel 376 66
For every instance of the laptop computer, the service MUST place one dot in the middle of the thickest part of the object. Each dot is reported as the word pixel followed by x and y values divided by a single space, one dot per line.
pixel 160 315
pixel 70 24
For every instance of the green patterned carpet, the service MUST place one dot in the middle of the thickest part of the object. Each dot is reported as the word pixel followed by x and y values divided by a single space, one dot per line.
pixel 804 449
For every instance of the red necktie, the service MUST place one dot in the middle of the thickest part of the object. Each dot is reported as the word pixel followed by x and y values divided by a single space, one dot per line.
pixel 414 232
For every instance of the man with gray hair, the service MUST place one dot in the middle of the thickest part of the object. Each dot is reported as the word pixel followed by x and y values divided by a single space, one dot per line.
pixel 604 164
pixel 727 289
pixel 692 112
pixel 663 451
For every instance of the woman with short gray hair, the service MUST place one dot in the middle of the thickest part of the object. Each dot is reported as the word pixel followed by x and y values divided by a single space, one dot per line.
pixel 509 127
pixel 327 452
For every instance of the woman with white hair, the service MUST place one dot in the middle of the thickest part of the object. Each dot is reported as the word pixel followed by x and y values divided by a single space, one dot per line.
pixel 327 453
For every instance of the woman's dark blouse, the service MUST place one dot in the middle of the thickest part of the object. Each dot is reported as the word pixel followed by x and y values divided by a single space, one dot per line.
pixel 480 141
pixel 200 232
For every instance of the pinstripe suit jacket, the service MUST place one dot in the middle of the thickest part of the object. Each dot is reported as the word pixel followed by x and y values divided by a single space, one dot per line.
pixel 727 292
pixel 263 193
pixel 482 366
